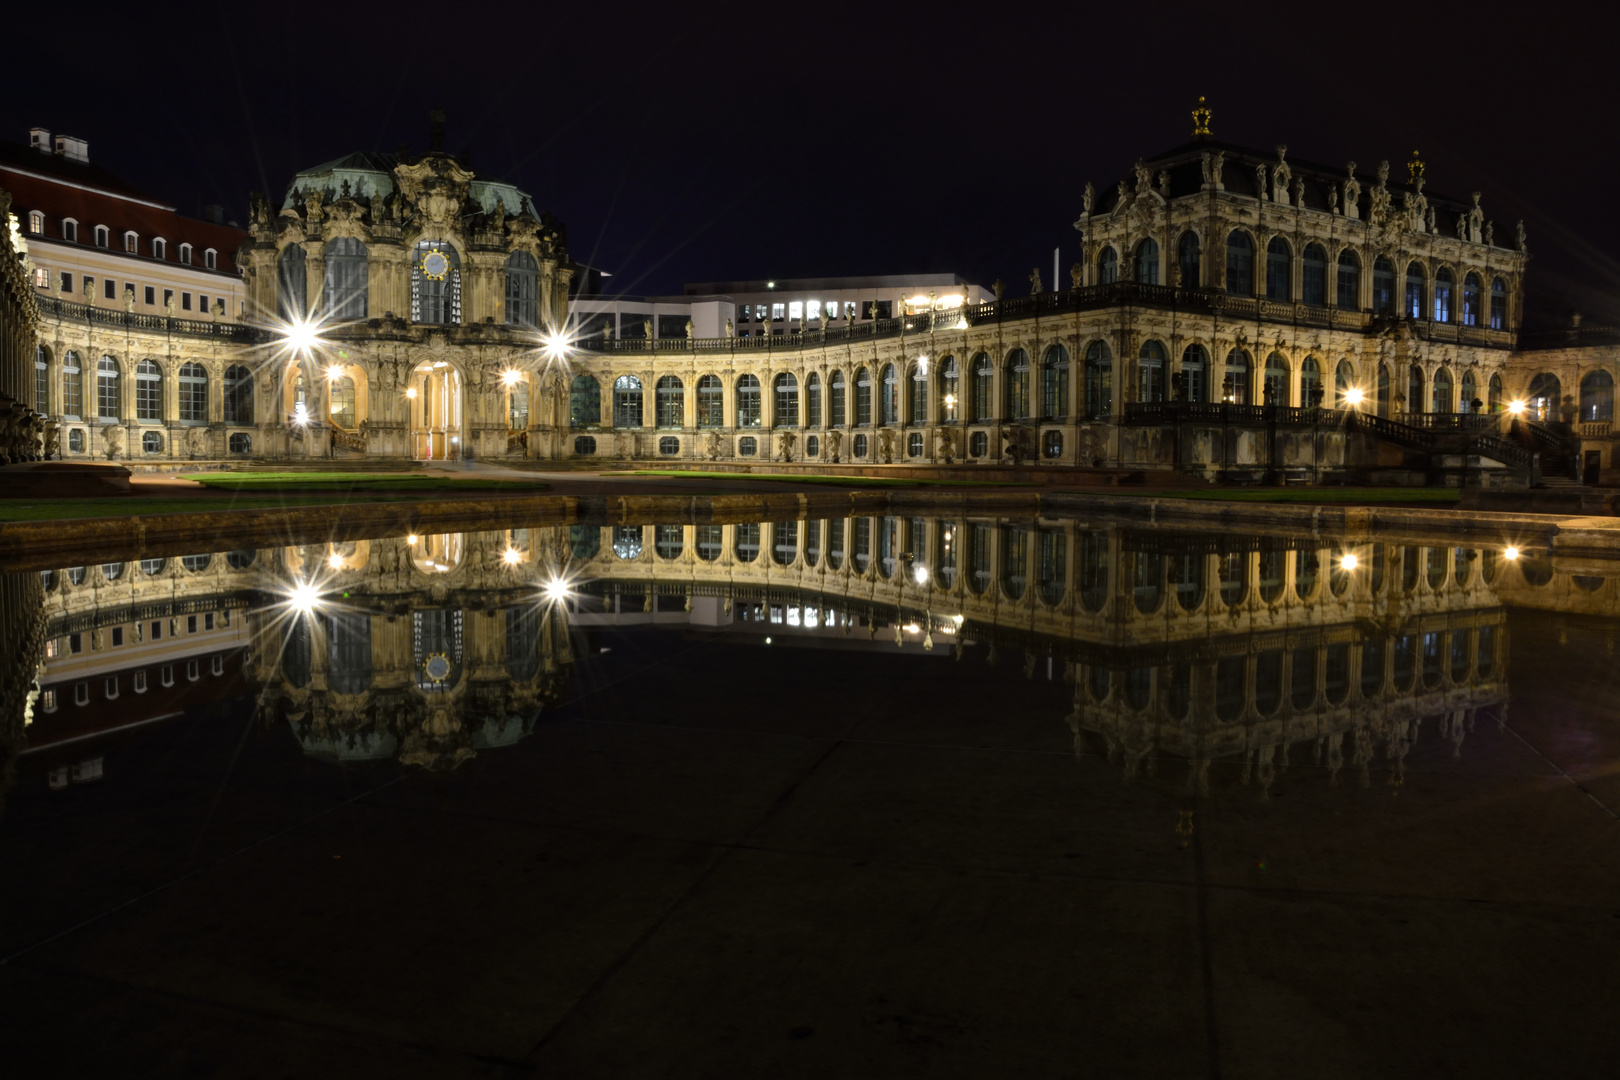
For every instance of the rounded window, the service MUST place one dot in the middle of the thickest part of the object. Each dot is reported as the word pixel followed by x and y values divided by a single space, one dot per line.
pixel 196 564
pixel 627 541
pixel 812 446
pixel 241 442
pixel 76 440
pixel 914 444
pixel 669 446
pixel 152 442
pixel 584 444
pixel 860 446
pixel 1052 444
pixel 747 446
pixel 978 444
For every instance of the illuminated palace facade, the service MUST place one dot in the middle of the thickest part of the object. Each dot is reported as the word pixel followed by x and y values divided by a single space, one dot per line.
pixel 1223 293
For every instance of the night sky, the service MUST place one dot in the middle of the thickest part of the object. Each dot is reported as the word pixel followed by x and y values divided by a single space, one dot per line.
pixel 807 140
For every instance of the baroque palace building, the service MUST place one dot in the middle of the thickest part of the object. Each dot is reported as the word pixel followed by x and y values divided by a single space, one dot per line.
pixel 1236 313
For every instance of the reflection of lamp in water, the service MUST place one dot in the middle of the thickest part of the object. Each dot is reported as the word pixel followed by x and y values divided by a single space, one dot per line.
pixel 512 556
pixel 304 598
pixel 411 539
pixel 410 392
pixel 335 561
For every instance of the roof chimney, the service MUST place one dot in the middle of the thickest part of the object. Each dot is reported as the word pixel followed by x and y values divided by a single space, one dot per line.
pixel 73 149
pixel 39 139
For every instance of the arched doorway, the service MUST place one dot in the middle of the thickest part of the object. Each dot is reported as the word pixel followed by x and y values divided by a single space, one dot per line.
pixel 435 396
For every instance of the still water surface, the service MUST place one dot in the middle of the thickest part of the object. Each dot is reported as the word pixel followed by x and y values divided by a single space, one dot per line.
pixel 879 795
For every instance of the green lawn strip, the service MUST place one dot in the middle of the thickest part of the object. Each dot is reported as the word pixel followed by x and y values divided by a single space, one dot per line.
pixel 362 482
pixel 137 506
pixel 839 481
pixel 1433 496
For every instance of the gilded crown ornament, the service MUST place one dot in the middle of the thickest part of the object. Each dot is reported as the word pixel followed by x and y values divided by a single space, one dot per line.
pixel 1200 116
pixel 1414 169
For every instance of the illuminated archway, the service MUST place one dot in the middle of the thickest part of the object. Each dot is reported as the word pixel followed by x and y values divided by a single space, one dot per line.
pixel 435 397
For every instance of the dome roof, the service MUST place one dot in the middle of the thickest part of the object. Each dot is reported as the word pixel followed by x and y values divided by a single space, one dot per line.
pixel 369 173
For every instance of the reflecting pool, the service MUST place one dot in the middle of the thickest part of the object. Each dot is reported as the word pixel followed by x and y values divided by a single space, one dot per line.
pixel 879 795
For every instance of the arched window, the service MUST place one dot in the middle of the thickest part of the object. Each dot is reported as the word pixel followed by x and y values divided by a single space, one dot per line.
pixel 785 406
pixel 1017 385
pixel 238 395
pixel 670 402
pixel 148 392
pixel 1414 389
pixel 1188 260
pixel 1416 287
pixel 812 400
pixel 1383 286
pixel 584 402
pixel 1468 392
pixel 344 295
pixel 863 397
pixel 1310 383
pixel 1195 374
pixel 1545 398
pixel 919 392
pixel 980 408
pixel 1473 295
pixel 1279 269
pixel 711 402
pixel 1055 383
pixel 1442 295
pixel 1597 396
pixel 889 402
pixel 1498 304
pixel 193 387
pixel 1313 275
pixel 517 405
pixel 1344 379
pixel 1099 380
pixel 42 380
pixel 1147 262
pixel 1239 264
pixel 627 402
pixel 950 390
pixel 747 401
pixel 1442 401
pixel 1276 390
pixel 522 290
pixel 185 254
pixel 160 248
pixel 342 407
pixel 436 284
pixel 1108 266
pixel 1349 293
pixel 291 284
pixel 107 389
pixel 838 413
pixel 1235 388
pixel 1150 372
pixel 1494 398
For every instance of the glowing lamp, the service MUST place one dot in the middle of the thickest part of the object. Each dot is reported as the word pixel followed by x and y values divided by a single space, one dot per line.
pixel 334 372
pixel 1349 562
pixel 411 539
pixel 1515 407
pixel 1510 553
pixel 1354 396
pixel 556 590
pixel 300 335
pixel 411 393
pixel 304 597
pixel 920 575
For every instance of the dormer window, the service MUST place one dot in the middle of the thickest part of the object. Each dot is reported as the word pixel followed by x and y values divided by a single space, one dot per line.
pixel 70 230
pixel 103 236
pixel 160 248
pixel 211 259
pixel 185 254
pixel 132 243
pixel 36 222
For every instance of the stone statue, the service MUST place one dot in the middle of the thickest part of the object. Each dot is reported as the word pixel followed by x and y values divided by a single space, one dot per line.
pixel 647 327
pixel 1281 174
pixel 112 441
pixel 1519 238
pixel 1088 199
pixel 835 439
pixel 497 220
pixel 1144 177
pixel 731 328
pixel 345 189
pixel 1035 282
pixel 1260 188
pixel 219 308
pixel 999 287
pixel 197 442
pixel 1476 221
pixel 1333 200
pixel 711 446
pixel 1378 211
pixel 688 329
pixel 945 444
pixel 886 439
pixel 1490 233
pixel 376 208
pixel 788 441
pixel 1077 275
pixel 1434 229
pixel 1124 193
pixel 1209 173
pixel 1462 227
pixel 1383 174
pixel 1352 192
pixel 1164 184
pixel 1217 169
pixel 312 205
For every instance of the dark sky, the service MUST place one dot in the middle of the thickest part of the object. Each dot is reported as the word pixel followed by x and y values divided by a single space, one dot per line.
pixel 680 143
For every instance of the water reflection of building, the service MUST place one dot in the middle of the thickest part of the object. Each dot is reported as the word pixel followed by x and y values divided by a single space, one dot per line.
pixel 431 648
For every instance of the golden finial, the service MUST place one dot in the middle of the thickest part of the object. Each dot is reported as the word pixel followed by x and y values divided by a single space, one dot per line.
pixel 1414 169
pixel 1200 117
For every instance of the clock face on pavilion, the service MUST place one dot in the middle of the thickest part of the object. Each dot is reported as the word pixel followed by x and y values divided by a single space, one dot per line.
pixel 435 265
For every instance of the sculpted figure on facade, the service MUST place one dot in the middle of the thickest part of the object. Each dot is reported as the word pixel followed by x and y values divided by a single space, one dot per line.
pixel 112 441
pixel 1352 192
pixel 1087 199
pixel 1035 282
pixel 1077 275
pixel 835 441
pixel 944 444
pixel 1144 178
pixel 1476 221
pixel 886 438
pixel 1519 238
pixel 1260 184
pixel 1281 174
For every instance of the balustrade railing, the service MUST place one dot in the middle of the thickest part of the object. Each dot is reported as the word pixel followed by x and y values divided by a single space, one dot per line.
pixel 237 333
